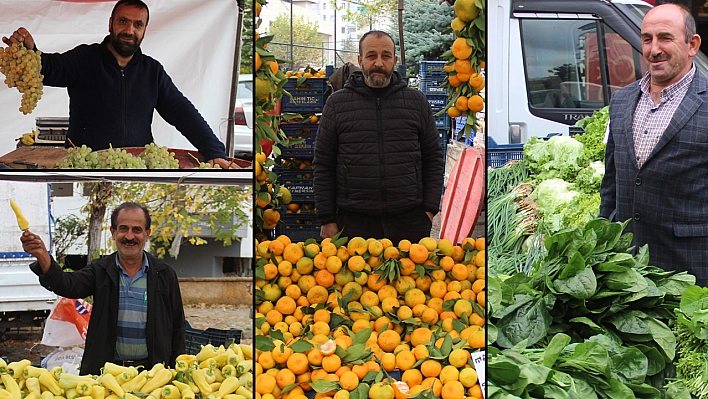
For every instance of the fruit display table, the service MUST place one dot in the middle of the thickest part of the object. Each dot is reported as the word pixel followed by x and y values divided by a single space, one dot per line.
pixel 45 157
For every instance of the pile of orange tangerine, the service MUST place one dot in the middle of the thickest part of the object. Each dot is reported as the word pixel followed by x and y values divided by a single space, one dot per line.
pixel 329 312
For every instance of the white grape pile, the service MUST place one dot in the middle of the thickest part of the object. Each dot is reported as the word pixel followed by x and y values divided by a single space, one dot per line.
pixel 80 158
pixel 157 157
pixel 116 158
pixel 22 68
pixel 205 165
pixel 153 157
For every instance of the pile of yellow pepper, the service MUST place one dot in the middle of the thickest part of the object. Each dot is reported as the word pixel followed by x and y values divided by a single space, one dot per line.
pixel 213 373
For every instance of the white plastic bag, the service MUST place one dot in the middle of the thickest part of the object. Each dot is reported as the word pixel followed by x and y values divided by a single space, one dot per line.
pixel 67 358
pixel 67 323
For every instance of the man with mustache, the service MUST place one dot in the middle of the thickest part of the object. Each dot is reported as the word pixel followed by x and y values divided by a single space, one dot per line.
pixel 114 89
pixel 378 162
pixel 657 151
pixel 137 317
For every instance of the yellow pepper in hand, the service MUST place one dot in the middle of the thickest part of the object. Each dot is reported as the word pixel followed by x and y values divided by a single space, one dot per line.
pixel 21 221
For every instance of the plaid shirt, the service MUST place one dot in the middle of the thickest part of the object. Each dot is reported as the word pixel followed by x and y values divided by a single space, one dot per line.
pixel 650 121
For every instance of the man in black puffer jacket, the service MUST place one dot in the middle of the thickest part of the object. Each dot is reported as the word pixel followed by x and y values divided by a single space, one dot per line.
pixel 378 161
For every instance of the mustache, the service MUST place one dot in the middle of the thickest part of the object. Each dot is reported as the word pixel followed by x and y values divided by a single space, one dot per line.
pixel 658 57
pixel 124 242
pixel 377 70
pixel 126 36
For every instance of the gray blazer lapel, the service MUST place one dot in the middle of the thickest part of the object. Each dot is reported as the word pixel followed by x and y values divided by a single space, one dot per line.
pixel 688 107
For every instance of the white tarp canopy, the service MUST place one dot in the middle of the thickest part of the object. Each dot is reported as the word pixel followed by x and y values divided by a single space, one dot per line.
pixel 193 39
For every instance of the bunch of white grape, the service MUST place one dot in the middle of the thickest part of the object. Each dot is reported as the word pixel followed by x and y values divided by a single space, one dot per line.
pixel 205 165
pixel 156 157
pixel 80 158
pixel 22 68
pixel 116 158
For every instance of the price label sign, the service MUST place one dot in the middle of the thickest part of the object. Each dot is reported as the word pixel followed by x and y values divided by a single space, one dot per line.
pixel 479 359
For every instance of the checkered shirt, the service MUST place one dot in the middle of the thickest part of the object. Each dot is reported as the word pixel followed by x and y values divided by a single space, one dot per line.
pixel 650 121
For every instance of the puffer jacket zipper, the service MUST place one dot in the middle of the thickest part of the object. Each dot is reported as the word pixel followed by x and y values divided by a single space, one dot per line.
pixel 382 155
pixel 123 107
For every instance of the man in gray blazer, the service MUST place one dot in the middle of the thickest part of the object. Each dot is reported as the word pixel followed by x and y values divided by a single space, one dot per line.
pixel 657 151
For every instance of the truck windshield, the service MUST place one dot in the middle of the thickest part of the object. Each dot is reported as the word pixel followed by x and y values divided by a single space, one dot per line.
pixel 637 11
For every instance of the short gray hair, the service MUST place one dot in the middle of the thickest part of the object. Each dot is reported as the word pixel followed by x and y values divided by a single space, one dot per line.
pixel 130 205
pixel 378 34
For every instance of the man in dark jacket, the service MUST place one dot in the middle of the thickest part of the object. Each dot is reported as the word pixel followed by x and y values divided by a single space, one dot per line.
pixel 137 316
pixel 114 89
pixel 378 161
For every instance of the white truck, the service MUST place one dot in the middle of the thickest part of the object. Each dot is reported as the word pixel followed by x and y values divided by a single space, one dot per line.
pixel 23 301
pixel 553 62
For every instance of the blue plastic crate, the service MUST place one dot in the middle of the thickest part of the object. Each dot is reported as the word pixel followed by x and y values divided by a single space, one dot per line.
pixel 441 74
pixel 307 131
pixel 301 219
pixel 301 234
pixel 306 209
pixel 442 121
pixel 300 227
pixel 437 101
pixel 444 139
pixel 309 86
pixel 298 182
pixel 304 101
pixel 434 76
pixel 432 86
pixel 195 339
pixel 499 155
pixel 432 66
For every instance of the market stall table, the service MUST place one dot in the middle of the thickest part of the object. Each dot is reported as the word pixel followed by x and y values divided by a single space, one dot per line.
pixel 42 157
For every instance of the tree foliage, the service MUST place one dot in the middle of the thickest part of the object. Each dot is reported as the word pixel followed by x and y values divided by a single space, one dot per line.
pixel 424 24
pixel 351 53
pixel 247 39
pixel 304 34
pixel 101 194
pixel 67 232
pixel 369 12
pixel 179 213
